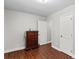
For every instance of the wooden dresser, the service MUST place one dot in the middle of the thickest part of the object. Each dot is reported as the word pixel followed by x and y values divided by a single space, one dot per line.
pixel 31 39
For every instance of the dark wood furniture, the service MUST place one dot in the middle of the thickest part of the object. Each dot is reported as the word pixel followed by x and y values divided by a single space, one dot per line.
pixel 31 39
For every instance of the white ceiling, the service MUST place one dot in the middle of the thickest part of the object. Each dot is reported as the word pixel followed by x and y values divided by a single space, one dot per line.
pixel 35 7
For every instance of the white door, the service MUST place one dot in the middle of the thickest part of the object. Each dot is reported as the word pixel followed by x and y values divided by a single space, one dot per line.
pixel 42 28
pixel 66 34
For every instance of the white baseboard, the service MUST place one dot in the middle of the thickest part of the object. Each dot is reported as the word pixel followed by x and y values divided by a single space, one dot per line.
pixel 64 52
pixel 45 43
pixel 15 49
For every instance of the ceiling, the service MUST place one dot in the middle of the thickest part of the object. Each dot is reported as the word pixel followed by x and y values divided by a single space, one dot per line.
pixel 36 7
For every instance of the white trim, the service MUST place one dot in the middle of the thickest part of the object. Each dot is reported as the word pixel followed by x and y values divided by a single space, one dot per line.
pixel 64 52
pixel 45 43
pixel 49 41
pixel 11 50
pixel 15 49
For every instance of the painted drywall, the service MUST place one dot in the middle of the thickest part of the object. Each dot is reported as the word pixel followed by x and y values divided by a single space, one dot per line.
pixel 54 27
pixel 16 23
pixel 54 24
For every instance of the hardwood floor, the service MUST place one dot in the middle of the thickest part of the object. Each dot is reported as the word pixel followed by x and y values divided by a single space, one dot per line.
pixel 43 52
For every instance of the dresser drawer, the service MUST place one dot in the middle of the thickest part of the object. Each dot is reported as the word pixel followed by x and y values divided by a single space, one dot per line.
pixel 31 39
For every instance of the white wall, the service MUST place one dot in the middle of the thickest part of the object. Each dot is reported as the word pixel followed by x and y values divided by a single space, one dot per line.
pixel 54 24
pixel 16 23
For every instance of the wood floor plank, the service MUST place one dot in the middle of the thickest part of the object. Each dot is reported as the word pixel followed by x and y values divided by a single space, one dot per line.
pixel 43 52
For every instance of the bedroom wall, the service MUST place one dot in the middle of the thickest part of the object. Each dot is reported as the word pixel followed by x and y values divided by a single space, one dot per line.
pixel 15 24
pixel 54 24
